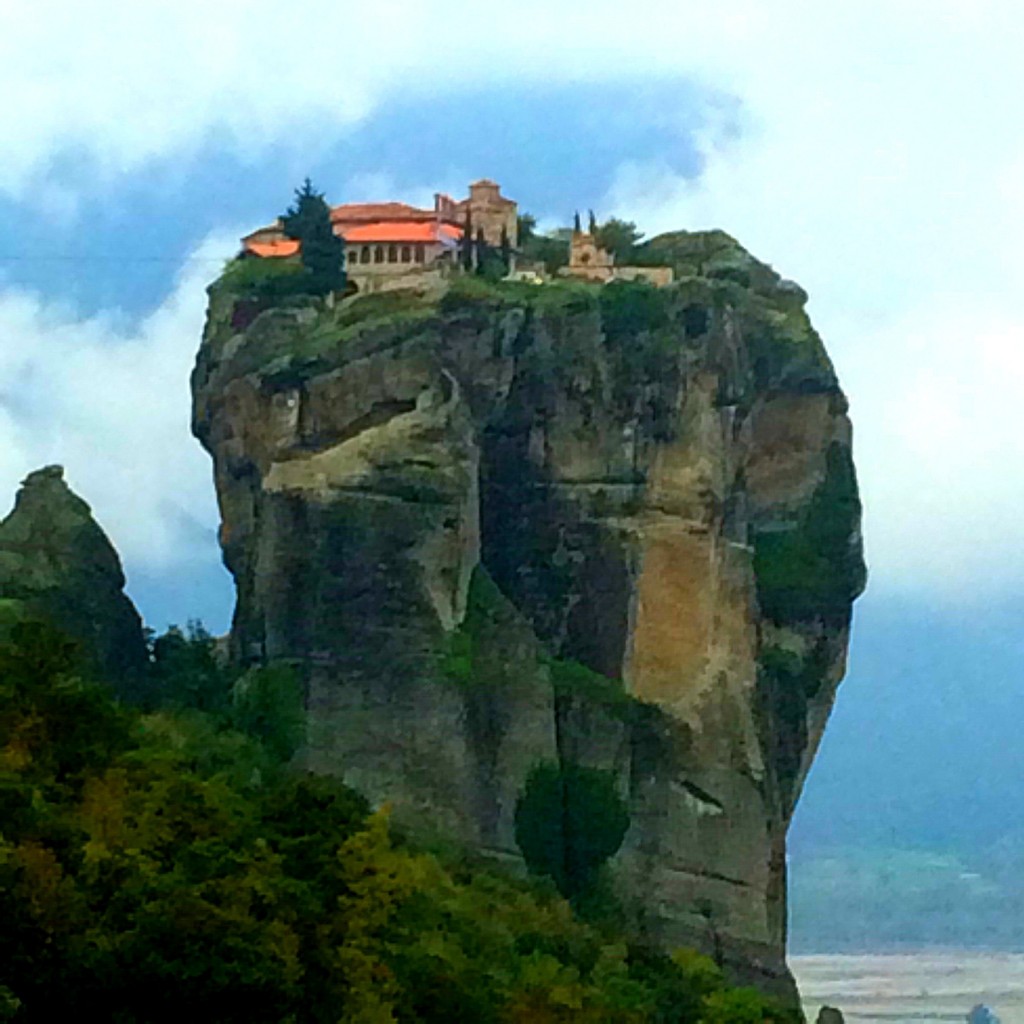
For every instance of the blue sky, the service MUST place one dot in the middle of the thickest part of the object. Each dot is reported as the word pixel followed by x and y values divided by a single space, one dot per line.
pixel 864 149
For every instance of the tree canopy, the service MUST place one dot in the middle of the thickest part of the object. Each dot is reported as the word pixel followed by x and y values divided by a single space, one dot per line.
pixel 308 221
pixel 170 865
pixel 619 237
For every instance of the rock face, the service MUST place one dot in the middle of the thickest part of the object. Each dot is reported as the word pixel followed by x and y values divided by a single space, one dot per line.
pixel 56 563
pixel 510 525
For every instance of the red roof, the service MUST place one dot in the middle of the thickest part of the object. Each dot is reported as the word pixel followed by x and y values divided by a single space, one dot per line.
pixel 401 231
pixel 282 247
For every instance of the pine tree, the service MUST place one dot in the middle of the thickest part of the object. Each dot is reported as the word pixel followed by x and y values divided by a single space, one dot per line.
pixel 323 252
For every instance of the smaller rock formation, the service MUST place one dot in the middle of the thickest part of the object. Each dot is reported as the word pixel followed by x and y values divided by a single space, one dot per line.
pixel 57 564
pixel 830 1015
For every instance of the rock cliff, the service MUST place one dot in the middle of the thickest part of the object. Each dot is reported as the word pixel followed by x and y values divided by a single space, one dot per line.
pixel 56 563
pixel 505 525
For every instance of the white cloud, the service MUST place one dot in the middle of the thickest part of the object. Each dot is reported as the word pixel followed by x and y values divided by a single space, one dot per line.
pixel 885 172
pixel 112 407
pixel 881 164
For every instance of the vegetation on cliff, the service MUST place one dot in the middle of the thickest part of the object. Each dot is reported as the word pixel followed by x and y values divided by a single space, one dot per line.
pixel 815 569
pixel 170 865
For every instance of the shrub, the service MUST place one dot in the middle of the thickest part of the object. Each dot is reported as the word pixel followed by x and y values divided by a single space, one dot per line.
pixel 569 821
pixel 815 569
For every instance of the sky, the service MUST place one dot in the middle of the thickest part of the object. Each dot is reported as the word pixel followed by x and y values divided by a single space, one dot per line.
pixel 871 151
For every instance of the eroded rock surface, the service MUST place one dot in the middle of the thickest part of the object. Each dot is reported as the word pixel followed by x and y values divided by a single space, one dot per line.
pixel 427 499
pixel 56 563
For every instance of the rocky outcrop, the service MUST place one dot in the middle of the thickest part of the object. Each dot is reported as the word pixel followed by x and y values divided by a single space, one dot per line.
pixel 57 564
pixel 512 525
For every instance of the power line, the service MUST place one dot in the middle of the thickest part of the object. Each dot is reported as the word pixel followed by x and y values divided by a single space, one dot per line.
pixel 90 258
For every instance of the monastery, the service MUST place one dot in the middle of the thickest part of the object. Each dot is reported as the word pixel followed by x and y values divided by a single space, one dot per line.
pixel 394 245
pixel 385 242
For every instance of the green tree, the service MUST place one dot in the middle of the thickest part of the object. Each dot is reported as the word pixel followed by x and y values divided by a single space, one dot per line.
pixel 267 703
pixel 54 726
pixel 526 228
pixel 569 820
pixel 322 251
pixel 466 248
pixel 506 250
pixel 187 672
pixel 619 237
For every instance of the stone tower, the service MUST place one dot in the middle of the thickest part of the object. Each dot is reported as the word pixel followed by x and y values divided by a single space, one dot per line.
pixel 492 212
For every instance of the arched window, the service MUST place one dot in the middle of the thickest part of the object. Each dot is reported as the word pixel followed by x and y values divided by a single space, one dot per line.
pixel 378 254
pixel 353 255
pixel 418 253
pixel 392 254
pixel 365 256
pixel 406 254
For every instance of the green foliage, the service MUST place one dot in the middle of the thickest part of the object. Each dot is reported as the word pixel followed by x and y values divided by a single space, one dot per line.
pixel 570 679
pixel 551 250
pixel 619 237
pixel 168 867
pixel 815 569
pixel 462 661
pixel 265 279
pixel 630 309
pixel 267 704
pixel 710 254
pixel 744 1006
pixel 570 819
pixel 644 344
pixel 526 228
pixel 52 735
pixel 491 262
pixel 186 671
pixel 322 251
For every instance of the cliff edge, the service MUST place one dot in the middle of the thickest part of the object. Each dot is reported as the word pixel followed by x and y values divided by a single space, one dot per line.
pixel 504 525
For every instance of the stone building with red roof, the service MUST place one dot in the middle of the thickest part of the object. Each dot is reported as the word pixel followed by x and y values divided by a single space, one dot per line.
pixel 385 242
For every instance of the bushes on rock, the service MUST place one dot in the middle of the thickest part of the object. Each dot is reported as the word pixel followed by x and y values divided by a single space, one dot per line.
pixel 816 568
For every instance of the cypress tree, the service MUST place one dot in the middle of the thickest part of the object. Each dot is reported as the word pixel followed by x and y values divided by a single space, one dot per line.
pixel 593 223
pixel 483 252
pixel 506 250
pixel 467 243
pixel 576 225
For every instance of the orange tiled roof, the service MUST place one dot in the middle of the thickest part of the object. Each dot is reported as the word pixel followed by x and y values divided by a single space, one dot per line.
pixel 281 247
pixel 401 231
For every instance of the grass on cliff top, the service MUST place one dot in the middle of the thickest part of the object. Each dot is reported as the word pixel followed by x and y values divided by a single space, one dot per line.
pixel 714 275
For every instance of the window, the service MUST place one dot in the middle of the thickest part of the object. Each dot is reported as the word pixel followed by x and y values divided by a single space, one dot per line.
pixel 378 254
pixel 406 254
pixel 392 254
pixel 419 253
pixel 353 255
pixel 365 257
